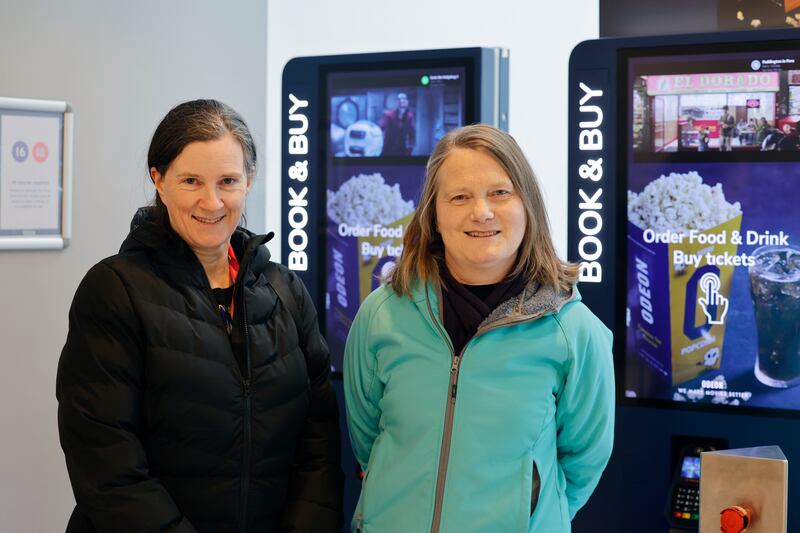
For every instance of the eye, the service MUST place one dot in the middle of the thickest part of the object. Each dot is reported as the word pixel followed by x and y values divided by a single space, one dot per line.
pixel 229 181
pixel 190 181
pixel 502 192
pixel 458 198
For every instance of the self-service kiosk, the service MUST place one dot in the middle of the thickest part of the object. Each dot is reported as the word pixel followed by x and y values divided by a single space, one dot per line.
pixel 683 176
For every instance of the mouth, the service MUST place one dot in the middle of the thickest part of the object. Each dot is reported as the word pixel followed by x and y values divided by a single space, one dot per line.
pixel 204 220
pixel 481 234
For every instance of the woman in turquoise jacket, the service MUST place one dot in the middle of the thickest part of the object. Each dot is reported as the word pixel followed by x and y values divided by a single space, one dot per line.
pixel 479 389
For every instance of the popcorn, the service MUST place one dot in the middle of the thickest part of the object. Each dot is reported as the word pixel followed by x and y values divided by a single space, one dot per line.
pixel 366 199
pixel 679 203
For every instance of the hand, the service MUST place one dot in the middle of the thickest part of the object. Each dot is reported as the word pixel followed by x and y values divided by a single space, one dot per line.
pixel 710 285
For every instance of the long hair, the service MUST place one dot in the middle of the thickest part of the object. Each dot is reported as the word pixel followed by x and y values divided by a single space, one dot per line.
pixel 196 121
pixel 423 248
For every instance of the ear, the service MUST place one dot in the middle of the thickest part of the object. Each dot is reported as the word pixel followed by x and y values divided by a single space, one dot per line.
pixel 249 185
pixel 158 180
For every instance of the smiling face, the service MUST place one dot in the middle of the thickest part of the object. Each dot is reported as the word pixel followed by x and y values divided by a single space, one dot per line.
pixel 480 217
pixel 204 190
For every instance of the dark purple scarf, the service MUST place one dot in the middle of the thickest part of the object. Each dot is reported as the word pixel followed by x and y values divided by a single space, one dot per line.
pixel 464 307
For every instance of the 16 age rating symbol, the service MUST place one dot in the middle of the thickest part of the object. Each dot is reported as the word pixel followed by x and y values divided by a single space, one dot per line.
pixel 19 152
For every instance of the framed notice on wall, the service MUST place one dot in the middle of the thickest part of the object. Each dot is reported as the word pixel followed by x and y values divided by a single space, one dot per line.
pixel 35 174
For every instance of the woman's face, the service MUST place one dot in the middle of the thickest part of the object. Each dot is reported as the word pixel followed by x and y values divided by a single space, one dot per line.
pixel 480 216
pixel 204 190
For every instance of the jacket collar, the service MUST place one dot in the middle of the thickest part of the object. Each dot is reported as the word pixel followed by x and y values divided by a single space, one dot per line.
pixel 533 302
pixel 166 247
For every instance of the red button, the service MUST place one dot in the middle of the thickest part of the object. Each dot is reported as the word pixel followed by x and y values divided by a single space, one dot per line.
pixel 734 519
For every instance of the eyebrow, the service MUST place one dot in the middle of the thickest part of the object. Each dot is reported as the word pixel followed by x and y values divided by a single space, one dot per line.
pixel 195 175
pixel 499 183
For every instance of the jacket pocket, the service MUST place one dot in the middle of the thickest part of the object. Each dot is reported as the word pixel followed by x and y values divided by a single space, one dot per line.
pixel 536 486
pixel 528 492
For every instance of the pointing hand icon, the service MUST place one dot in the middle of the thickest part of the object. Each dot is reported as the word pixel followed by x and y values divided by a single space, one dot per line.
pixel 712 299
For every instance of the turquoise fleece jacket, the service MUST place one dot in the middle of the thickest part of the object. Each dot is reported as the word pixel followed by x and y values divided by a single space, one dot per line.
pixel 511 435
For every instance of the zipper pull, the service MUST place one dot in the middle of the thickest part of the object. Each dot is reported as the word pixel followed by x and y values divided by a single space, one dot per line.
pixel 453 372
pixel 246 385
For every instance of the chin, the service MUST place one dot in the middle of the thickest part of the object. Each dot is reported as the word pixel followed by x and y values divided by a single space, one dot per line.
pixel 489 261
pixel 501 264
pixel 209 242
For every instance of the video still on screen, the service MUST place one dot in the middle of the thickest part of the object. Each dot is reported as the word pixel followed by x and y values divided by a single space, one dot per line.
pixel 733 103
pixel 393 113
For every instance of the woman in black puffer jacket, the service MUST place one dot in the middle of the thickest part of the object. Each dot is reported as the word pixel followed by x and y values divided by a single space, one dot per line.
pixel 194 390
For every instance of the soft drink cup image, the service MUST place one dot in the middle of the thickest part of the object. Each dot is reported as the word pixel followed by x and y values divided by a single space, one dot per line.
pixel 775 285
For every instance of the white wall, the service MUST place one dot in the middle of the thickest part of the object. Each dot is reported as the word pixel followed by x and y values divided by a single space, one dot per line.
pixel 121 65
pixel 539 34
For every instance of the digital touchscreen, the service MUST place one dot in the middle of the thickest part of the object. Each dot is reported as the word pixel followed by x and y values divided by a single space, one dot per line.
pixel 713 239
pixel 690 468
pixel 383 125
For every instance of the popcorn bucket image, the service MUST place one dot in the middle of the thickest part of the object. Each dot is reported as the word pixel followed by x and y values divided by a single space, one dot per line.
pixel 379 252
pixel 678 297
pixel 366 221
pixel 342 294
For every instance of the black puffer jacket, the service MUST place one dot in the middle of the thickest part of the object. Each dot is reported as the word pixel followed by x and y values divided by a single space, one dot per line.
pixel 162 428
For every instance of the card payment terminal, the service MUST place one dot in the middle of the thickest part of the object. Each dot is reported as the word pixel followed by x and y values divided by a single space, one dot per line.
pixel 684 510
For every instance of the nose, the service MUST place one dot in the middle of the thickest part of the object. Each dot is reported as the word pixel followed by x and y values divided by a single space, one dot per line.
pixel 482 210
pixel 210 199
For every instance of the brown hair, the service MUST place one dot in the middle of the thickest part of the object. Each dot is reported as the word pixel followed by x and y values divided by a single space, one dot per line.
pixel 196 121
pixel 423 248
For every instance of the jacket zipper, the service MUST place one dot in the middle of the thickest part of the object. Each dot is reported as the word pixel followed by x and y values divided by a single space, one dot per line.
pixel 247 411
pixel 247 452
pixel 245 487
pixel 444 453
